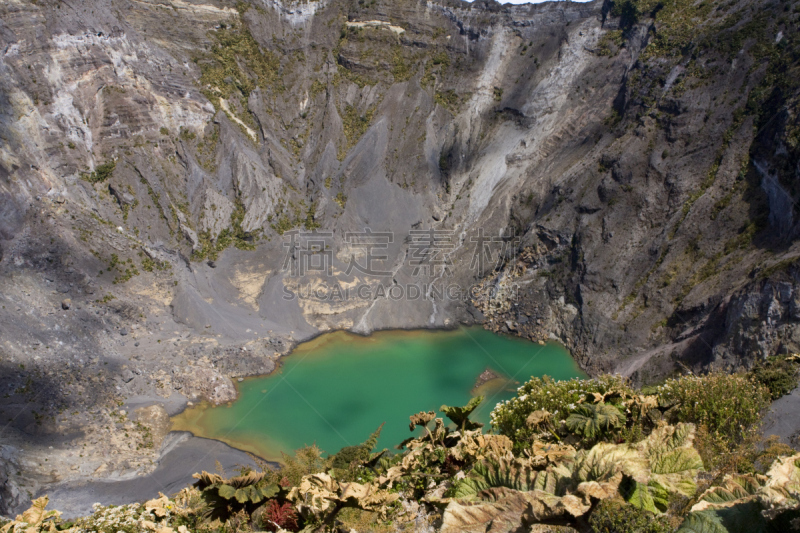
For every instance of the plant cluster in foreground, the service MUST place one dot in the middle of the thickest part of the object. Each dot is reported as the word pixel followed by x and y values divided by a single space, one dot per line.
pixel 583 455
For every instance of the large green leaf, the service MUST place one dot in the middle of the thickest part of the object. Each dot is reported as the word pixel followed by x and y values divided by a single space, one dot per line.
pixel 468 487
pixel 733 488
pixel 460 415
pixel 226 491
pixel 672 464
pixel 270 491
pixel 742 518
pixel 512 473
pixel 246 480
pixel 676 471
pixel 744 504
pixel 638 495
pixel 703 522
pixel 606 460
pixel 661 495
pixel 592 420
pixel 242 495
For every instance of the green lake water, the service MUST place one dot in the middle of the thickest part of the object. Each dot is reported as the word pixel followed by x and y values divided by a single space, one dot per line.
pixel 338 388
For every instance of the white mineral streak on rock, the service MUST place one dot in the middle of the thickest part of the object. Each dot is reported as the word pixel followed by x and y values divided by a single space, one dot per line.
pixel 224 105
pixel 297 13
pixel 547 105
pixel 376 24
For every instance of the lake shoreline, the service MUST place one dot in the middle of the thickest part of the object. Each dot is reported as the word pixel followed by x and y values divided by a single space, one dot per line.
pixel 254 427
pixel 182 454
pixel 294 344
pixel 76 496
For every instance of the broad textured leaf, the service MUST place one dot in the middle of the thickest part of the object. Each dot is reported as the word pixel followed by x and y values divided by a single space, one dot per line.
pixel 421 419
pixel 639 496
pixel 661 495
pixel 270 491
pixel 677 461
pixel 665 439
pixel 505 511
pixel 743 518
pixel 548 481
pixel 734 489
pixel 205 479
pixel 605 460
pixel 677 470
pixel 367 497
pixel 538 417
pixel 782 489
pixel 474 446
pixel 158 506
pixel 513 473
pixel 601 490
pixel 752 500
pixel 552 453
pixel 460 415
pixel 591 421
pixel 245 481
pixel 703 522
pixel 37 512
pixel 468 487
pixel 226 491
pixel 314 494
pixel 242 495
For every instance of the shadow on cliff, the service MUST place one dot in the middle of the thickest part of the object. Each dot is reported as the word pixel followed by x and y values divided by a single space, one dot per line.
pixel 31 402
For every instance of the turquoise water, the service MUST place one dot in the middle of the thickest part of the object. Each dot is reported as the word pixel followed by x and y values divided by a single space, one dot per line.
pixel 338 388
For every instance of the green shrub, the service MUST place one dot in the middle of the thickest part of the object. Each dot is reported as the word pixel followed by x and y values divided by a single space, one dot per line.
pixel 101 173
pixel 308 460
pixel 616 516
pixel 726 407
pixel 347 456
pixel 559 398
pixel 628 12
pixel 778 374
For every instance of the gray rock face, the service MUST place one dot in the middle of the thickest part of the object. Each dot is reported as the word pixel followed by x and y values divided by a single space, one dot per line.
pixel 157 158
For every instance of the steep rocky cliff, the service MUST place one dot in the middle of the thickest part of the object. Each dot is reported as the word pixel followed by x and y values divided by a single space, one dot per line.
pixel 632 166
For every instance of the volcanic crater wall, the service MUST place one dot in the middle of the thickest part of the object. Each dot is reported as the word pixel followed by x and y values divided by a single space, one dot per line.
pixel 636 161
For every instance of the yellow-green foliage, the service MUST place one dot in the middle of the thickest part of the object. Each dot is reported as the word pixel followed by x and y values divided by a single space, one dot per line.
pixel 233 235
pixel 237 57
pixel 642 485
pixel 101 173
pixel 310 222
pixel 676 21
pixel 728 407
pixel 559 398
pixel 401 68
pixel 447 99
pixel 306 461
pixel 610 43
pixel 355 126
